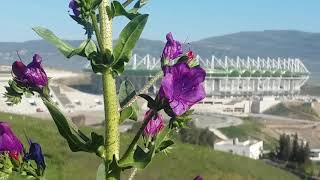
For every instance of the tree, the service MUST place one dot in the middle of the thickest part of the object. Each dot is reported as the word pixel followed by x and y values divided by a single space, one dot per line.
pixel 295 148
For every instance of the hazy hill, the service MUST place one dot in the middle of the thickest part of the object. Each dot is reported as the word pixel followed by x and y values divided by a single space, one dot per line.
pixel 269 43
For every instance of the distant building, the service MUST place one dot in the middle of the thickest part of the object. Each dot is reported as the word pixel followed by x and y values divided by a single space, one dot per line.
pixel 314 155
pixel 250 148
pixel 227 76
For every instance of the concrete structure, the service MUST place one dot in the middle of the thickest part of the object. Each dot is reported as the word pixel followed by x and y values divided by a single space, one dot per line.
pixel 250 148
pixel 231 77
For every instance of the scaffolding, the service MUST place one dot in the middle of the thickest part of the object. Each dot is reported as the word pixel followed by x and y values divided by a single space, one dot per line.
pixel 232 76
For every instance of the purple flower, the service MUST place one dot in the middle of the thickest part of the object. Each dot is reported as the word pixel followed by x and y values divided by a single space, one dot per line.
pixel 154 126
pixel 35 153
pixel 182 86
pixel 172 49
pixel 32 75
pixel 197 178
pixel 74 6
pixel 8 140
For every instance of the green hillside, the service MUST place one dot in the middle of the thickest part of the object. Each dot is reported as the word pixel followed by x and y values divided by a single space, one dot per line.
pixel 183 163
pixel 250 129
pixel 297 111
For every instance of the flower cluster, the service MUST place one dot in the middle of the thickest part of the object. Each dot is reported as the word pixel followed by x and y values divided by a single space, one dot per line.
pixel 11 145
pixel 31 75
pixel 181 87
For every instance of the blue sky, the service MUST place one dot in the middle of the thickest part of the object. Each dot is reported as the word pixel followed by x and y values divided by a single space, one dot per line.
pixel 187 19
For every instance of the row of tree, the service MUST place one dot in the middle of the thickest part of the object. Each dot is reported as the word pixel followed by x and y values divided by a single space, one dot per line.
pixel 291 148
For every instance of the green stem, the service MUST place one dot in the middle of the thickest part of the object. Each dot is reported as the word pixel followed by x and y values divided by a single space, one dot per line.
pixel 112 116
pixel 96 29
pixel 134 142
pixel 112 136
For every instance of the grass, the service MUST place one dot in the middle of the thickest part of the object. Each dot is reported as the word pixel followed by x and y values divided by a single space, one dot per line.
pixel 250 129
pixel 184 162
pixel 298 111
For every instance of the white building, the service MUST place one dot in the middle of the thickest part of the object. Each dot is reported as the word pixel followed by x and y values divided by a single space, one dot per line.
pixel 314 154
pixel 250 148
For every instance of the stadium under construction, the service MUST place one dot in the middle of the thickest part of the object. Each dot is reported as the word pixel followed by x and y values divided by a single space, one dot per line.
pixel 230 77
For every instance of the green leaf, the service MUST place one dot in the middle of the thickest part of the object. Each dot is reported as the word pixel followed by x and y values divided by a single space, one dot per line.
pixel 182 120
pixel 87 26
pixel 138 158
pixel 66 128
pixel 77 140
pixel 126 93
pixel 130 113
pixel 49 36
pixel 183 58
pixel 164 145
pixel 162 140
pixel 118 67
pixel 97 67
pixel 95 4
pixel 125 114
pixel 101 173
pixel 85 49
pixel 90 48
pixel 138 5
pixel 128 38
pixel 15 87
pixel 79 51
pixel 46 91
pixel 117 9
pixel 14 92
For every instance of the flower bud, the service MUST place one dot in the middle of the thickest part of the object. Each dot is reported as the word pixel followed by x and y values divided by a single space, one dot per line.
pixel 154 126
pixel 35 153
pixel 190 55
pixel 32 75
pixel 172 49
pixel 73 5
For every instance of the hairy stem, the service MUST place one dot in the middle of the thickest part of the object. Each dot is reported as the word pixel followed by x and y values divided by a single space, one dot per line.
pixel 133 173
pixel 143 90
pixel 112 136
pixel 105 27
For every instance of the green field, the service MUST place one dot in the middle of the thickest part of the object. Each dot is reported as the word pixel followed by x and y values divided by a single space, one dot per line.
pixel 250 129
pixel 183 163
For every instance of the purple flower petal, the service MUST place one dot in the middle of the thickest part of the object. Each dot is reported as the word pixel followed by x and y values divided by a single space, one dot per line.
pixel 18 69
pixel 8 140
pixel 182 86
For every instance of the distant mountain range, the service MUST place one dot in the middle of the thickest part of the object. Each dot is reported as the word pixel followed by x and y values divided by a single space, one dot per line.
pixel 270 43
